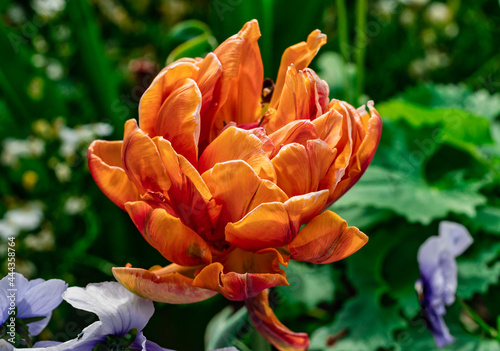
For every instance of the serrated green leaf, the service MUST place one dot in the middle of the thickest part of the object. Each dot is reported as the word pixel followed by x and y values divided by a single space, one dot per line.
pixel 412 198
pixel 487 219
pixel 369 324
pixel 478 270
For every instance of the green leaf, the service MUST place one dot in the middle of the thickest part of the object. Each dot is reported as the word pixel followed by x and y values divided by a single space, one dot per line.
pixel 479 269
pixel 223 329
pixel 412 198
pixel 309 286
pixel 456 127
pixel 487 219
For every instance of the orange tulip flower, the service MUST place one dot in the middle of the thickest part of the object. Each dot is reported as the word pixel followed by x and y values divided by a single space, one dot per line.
pixel 228 181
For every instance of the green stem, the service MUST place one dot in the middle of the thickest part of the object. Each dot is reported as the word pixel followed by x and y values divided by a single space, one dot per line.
pixel 361 42
pixel 343 28
pixel 259 343
pixel 484 326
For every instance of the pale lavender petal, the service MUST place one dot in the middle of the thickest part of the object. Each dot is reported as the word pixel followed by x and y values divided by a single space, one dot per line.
pixel 448 268
pixel 227 349
pixel 46 343
pixel 5 345
pixel 4 308
pixel 36 328
pixel 428 256
pixel 41 299
pixel 118 309
pixel 457 237
pixel 142 344
pixel 20 283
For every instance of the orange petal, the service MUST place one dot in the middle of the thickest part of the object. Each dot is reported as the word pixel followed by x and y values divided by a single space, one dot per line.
pixel 300 169
pixel 294 132
pixel 238 189
pixel 329 127
pixel 266 322
pixel 238 144
pixel 169 285
pixel 166 233
pixel 300 55
pixel 161 87
pixel 243 275
pixel 179 119
pixel 242 78
pixel 266 226
pixel 304 96
pixel 141 160
pixel 275 224
pixel 106 168
pixel 189 195
pixel 326 239
pixel 363 156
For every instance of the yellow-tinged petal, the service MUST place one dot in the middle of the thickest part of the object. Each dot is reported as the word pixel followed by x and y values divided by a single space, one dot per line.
pixel 266 322
pixel 329 127
pixel 170 285
pixel 326 239
pixel 238 144
pixel 242 78
pixel 166 233
pixel 106 168
pixel 238 189
pixel 141 160
pixel 179 119
pixel 301 209
pixel 300 55
pixel 243 275
pixel 162 86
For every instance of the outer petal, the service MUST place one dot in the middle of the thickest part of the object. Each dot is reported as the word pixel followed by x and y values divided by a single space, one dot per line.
pixel 243 275
pixel 238 144
pixel 162 86
pixel 166 233
pixel 242 78
pixel 300 169
pixel 266 322
pixel 457 237
pixel 326 239
pixel 106 168
pixel 170 285
pixel 300 55
pixel 179 119
pixel 363 155
pixel 227 179
pixel 141 160
pixel 117 309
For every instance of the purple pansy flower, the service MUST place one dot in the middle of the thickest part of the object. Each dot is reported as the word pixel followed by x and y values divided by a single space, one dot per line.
pixel 438 276
pixel 119 312
pixel 34 298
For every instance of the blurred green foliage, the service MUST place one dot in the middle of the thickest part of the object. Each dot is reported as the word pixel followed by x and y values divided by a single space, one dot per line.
pixel 72 71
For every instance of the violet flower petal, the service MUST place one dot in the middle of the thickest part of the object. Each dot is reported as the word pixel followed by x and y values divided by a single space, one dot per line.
pixel 41 298
pixel 457 237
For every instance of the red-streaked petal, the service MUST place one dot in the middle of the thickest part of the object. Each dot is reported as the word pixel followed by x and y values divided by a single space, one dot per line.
pixel 300 55
pixel 238 144
pixel 242 78
pixel 266 322
pixel 141 160
pixel 169 286
pixel 243 275
pixel 106 168
pixel 326 239
pixel 179 119
pixel 161 87
pixel 166 233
